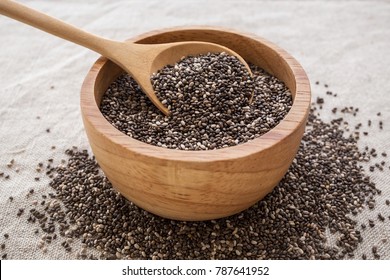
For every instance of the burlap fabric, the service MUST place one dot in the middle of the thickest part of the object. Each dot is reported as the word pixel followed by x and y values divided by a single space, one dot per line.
pixel 345 44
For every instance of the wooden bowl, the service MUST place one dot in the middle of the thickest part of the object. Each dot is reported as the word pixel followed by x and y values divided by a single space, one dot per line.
pixel 198 185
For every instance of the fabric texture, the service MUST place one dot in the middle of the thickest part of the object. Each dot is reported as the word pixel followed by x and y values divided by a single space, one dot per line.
pixel 344 44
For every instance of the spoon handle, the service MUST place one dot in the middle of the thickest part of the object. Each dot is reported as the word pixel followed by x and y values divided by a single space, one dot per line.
pixel 54 26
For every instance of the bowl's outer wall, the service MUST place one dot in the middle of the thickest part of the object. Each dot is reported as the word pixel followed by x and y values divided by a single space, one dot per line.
pixel 198 185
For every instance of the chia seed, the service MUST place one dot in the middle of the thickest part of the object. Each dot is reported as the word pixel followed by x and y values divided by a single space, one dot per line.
pixel 209 100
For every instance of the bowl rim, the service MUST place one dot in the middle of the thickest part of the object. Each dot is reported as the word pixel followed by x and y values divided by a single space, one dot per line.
pixel 292 122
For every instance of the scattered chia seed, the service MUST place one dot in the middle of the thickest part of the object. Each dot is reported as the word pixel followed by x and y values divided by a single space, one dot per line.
pixel 6 235
pixel 2 246
pixel 208 97
pixel 320 100
pixel 20 212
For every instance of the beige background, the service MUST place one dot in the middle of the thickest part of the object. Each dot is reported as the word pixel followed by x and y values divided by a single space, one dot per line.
pixel 345 44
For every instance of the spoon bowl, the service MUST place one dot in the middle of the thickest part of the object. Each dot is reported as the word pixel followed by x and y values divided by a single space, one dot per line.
pixel 152 57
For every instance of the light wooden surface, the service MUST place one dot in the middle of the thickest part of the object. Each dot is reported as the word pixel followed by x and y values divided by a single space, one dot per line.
pixel 140 60
pixel 198 185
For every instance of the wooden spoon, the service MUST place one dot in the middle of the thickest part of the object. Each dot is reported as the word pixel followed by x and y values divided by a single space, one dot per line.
pixel 139 60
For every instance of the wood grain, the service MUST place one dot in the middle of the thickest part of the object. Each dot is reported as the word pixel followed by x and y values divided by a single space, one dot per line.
pixel 198 185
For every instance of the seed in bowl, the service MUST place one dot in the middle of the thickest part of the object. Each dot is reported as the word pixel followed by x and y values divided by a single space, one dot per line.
pixel 209 97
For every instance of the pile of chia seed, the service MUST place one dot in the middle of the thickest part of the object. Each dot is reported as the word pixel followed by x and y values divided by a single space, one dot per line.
pixel 209 100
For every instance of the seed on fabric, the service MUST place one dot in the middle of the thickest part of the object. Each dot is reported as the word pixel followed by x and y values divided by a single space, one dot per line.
pixel 20 212
pixel 320 100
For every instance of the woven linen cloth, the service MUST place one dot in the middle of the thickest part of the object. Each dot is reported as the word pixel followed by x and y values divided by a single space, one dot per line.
pixel 345 44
